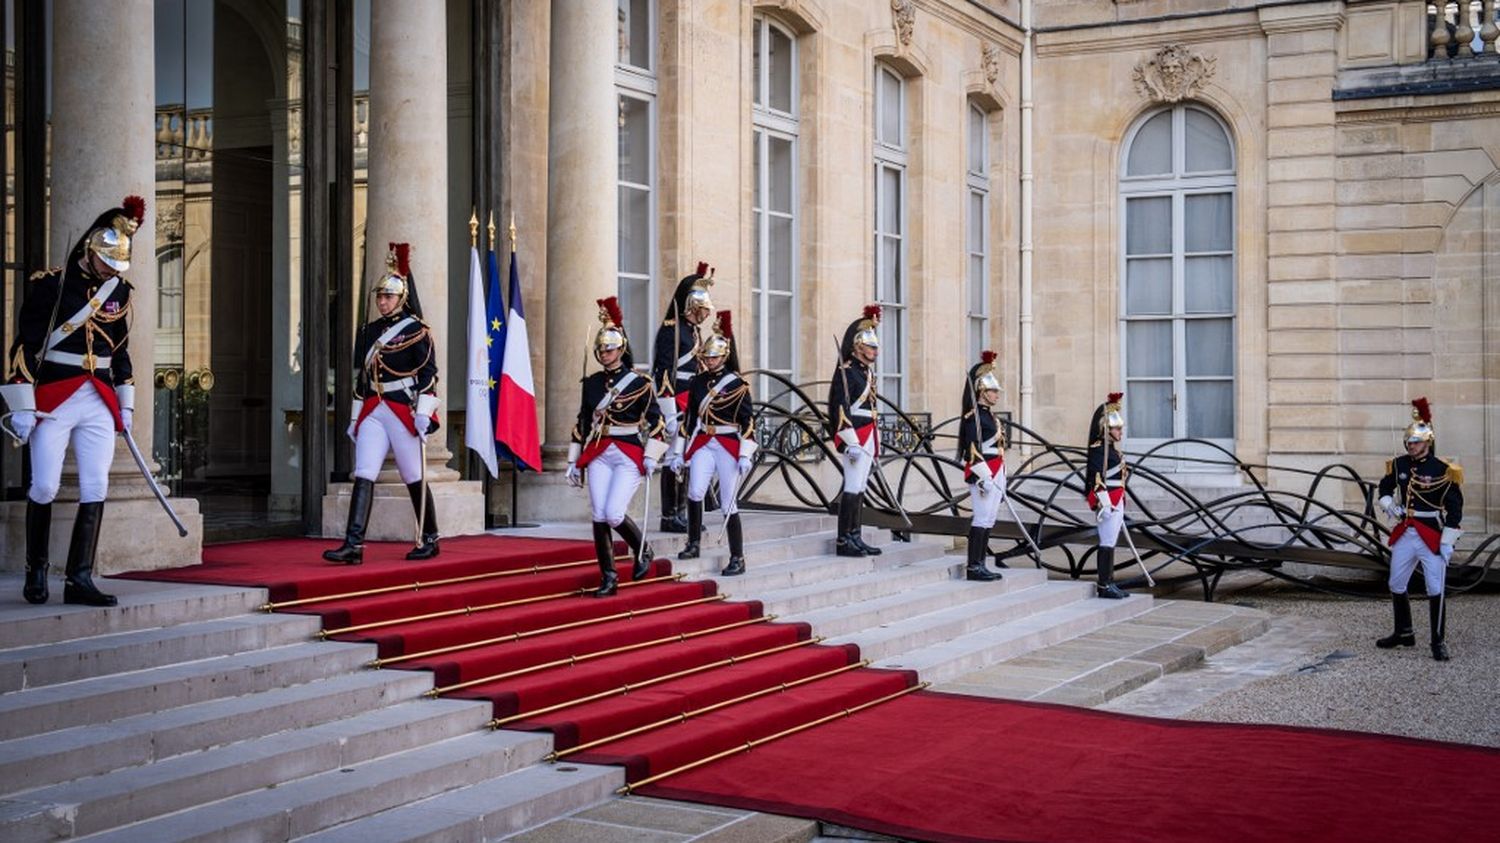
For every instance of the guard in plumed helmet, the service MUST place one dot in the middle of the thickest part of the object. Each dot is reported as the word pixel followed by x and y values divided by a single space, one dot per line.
pixel 71 380
pixel 618 441
pixel 717 439
pixel 1104 485
pixel 395 406
pixel 675 364
pixel 981 447
pixel 1423 494
pixel 851 417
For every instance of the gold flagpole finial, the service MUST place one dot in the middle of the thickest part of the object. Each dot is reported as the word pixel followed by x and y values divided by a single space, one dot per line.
pixel 512 231
pixel 491 229
pixel 474 229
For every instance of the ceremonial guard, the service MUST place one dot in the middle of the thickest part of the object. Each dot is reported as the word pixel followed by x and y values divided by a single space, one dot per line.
pixel 618 440
pixel 675 364
pixel 718 439
pixel 1423 493
pixel 981 447
pixel 395 407
pixel 71 380
pixel 1104 483
pixel 851 417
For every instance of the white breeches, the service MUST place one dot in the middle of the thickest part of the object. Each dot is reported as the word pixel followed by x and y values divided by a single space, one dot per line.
pixel 1110 524
pixel 710 460
pixel 1407 552
pixel 613 479
pixel 85 420
pixel 380 433
pixel 857 469
pixel 986 505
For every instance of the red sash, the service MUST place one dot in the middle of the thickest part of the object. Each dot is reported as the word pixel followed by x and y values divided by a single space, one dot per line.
pixel 1115 497
pixel 635 452
pixel 682 401
pixel 995 464
pixel 1431 537
pixel 730 443
pixel 869 439
pixel 402 411
pixel 50 396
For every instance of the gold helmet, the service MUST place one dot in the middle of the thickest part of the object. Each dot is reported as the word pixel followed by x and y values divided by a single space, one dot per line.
pixel 983 375
pixel 692 292
pixel 1107 416
pixel 611 333
pixel 861 332
pixel 720 343
pixel 1420 429
pixel 392 282
pixel 110 239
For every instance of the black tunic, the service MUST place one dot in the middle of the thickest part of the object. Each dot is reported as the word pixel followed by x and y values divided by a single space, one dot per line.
pixel 106 333
pixel 676 339
pixel 978 441
pixel 851 399
pixel 408 356
pixel 1106 470
pixel 633 405
pixel 1430 489
pixel 730 406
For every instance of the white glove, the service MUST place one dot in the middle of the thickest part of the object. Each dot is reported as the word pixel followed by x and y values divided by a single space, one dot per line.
pixel 854 452
pixel 575 477
pixel 1392 509
pixel 984 486
pixel 650 465
pixel 127 418
pixel 1447 552
pixel 423 424
pixel 744 466
pixel 1105 510
pixel 675 463
pixel 23 422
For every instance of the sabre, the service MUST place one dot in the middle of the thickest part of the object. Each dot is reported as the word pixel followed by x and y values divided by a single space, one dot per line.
pixel 838 352
pixel 1036 552
pixel 140 462
pixel 1125 528
pixel 645 519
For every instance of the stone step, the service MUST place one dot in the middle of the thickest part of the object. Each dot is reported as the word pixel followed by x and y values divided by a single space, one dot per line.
pixel 488 810
pixel 819 566
pixel 308 805
pixel 944 660
pixel 802 598
pixel 871 616
pixel 143 605
pixel 756 526
pixel 122 652
pixel 136 794
pixel 94 749
pixel 99 700
pixel 761 553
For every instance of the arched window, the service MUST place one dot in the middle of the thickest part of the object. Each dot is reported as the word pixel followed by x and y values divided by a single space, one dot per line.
pixel 890 162
pixel 636 85
pixel 773 118
pixel 1177 200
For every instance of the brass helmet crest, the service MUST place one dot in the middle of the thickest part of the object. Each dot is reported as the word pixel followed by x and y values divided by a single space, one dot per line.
pixel 392 282
pixel 720 343
pixel 984 376
pixel 1420 429
pixel 611 333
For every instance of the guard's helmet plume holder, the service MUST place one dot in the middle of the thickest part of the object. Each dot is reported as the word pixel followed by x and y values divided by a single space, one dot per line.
pixel 1420 429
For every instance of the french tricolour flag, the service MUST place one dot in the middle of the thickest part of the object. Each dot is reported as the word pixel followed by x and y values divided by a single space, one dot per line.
pixel 515 410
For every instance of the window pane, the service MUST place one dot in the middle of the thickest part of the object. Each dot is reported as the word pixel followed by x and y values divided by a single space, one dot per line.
pixel 779 262
pixel 1211 342
pixel 755 163
pixel 1205 147
pixel 976 140
pixel 757 219
pixel 1210 409
pixel 635 230
pixel 755 64
pixel 635 33
pixel 889 286
pixel 976 221
pixel 889 130
pixel 635 306
pixel 889 213
pixel 1148 349
pixel 1151 150
pixel 1148 286
pixel 1148 409
pixel 977 337
pixel 779 171
pixel 1208 284
pixel 635 140
pixel 779 352
pixel 780 61
pixel 976 285
pixel 1148 226
pixel 1209 221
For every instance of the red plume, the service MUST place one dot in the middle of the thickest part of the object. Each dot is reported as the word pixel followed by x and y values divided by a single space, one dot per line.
pixel 725 324
pixel 610 308
pixel 987 357
pixel 872 312
pixel 1114 397
pixel 1424 412
pixel 135 208
pixel 403 258
pixel 702 268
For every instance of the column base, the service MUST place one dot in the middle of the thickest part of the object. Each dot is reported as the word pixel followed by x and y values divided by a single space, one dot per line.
pixel 137 535
pixel 549 498
pixel 459 505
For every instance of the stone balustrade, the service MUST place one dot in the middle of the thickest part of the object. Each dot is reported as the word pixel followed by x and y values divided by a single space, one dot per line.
pixel 1462 30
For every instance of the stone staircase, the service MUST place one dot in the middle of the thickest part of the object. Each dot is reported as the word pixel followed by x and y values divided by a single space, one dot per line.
pixel 183 714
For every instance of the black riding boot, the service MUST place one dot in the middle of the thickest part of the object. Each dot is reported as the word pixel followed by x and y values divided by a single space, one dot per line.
pixel 604 550
pixel 979 540
pixel 855 534
pixel 38 533
pixel 79 586
pixel 672 520
pixel 1437 607
pixel 1404 635
pixel 843 546
pixel 736 564
pixel 1106 587
pixel 633 537
pixel 352 551
pixel 429 546
pixel 694 530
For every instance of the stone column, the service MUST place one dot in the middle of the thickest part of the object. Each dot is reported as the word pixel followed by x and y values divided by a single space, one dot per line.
pixel 582 209
pixel 98 84
pixel 408 202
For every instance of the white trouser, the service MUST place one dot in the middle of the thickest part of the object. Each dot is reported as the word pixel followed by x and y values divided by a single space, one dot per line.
pixel 1110 524
pixel 1406 553
pixel 707 461
pixel 987 505
pixel 857 466
pixel 382 432
pixel 613 479
pixel 85 419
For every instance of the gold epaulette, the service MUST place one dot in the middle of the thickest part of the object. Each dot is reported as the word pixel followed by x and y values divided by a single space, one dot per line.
pixel 669 323
pixel 1390 466
pixel 1455 472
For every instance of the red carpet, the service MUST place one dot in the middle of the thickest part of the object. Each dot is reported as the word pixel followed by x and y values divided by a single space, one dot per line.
pixel 668 673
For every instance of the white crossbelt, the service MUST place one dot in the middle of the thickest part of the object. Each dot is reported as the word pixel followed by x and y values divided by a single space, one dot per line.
pixel 1425 513
pixel 860 412
pixel 67 358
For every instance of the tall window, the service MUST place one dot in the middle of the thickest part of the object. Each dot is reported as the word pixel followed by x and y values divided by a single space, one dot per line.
pixel 1178 333
pixel 774 261
pixel 636 84
pixel 977 234
pixel 890 230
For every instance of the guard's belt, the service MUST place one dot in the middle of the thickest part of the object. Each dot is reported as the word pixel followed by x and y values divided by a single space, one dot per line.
pixel 622 430
pixel 68 358
pixel 719 429
pixel 1425 513
pixel 862 412
pixel 398 383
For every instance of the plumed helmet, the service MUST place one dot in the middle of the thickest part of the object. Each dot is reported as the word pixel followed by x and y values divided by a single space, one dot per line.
pixel 392 282
pixel 692 292
pixel 862 332
pixel 1420 429
pixel 109 237
pixel 1106 416
pixel 982 376
pixel 720 343
pixel 611 334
